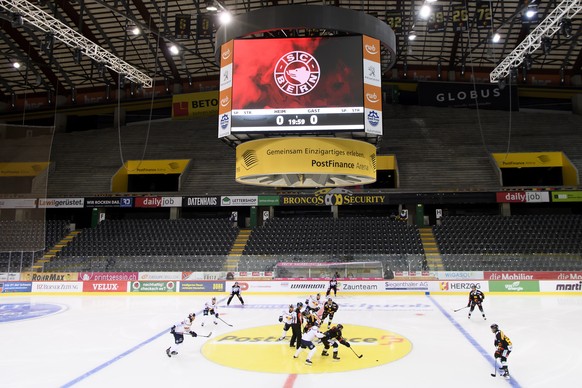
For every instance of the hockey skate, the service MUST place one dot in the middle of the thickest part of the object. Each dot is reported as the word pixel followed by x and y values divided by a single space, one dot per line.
pixel 325 353
pixel 308 362
pixel 280 338
pixel 168 352
pixel 336 357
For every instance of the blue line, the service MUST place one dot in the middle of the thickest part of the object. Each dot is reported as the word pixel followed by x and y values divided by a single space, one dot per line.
pixel 106 364
pixel 471 340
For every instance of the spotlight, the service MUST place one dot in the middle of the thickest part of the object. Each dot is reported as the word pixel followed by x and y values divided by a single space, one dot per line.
pixel 463 68
pixel 211 6
pixel 17 20
pixel 496 38
pixel 16 65
pixel 566 28
pixel 532 11
pixel 225 17
pixel 528 62
pixel 425 11
pixel 412 35
pixel 546 45
pixel 132 28
pixel 101 69
pixel 405 70
pixel 439 69
pixel 77 55
pixel 47 45
pixel 174 49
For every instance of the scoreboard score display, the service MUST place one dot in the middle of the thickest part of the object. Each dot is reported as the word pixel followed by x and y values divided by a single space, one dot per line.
pixel 300 85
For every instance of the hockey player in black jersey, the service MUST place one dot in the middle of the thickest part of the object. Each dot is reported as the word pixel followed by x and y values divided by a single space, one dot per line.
pixel 476 298
pixel 332 338
pixel 503 347
pixel 310 318
pixel 329 309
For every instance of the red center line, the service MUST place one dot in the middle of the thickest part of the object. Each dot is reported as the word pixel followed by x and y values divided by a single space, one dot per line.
pixel 290 381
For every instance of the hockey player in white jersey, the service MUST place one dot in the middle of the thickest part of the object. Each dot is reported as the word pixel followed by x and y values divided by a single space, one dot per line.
pixel 178 330
pixel 307 342
pixel 210 310
pixel 313 303
pixel 288 317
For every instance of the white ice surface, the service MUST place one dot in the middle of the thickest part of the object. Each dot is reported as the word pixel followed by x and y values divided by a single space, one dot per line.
pixel 120 341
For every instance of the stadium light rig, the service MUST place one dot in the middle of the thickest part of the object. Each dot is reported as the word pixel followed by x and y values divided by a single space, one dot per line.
pixel 37 17
pixel 545 29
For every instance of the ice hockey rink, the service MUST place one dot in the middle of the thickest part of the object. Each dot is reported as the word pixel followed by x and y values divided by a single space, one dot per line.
pixel 418 340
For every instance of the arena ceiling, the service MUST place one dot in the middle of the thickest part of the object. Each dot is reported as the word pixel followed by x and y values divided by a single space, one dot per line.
pixel 51 66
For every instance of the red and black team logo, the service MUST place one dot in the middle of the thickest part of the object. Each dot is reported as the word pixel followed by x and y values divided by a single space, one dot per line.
pixel 297 73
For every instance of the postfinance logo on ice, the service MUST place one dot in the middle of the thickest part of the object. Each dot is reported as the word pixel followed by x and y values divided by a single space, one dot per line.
pixel 257 349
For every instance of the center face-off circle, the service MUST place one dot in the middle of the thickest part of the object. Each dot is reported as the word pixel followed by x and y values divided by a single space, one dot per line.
pixel 257 349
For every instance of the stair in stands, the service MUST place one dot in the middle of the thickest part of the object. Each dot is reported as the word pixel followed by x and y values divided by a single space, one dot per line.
pixel 38 265
pixel 431 250
pixel 237 250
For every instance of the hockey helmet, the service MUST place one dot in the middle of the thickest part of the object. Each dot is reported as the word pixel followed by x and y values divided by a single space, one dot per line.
pixel 291 306
pixel 473 286
pixel 494 327
pixel 318 295
pixel 340 326
pixel 214 299
pixel 299 304
pixel 329 300
pixel 192 316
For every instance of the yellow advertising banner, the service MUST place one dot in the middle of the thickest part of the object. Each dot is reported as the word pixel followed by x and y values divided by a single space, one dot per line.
pixel 306 162
pixel 22 168
pixel 386 162
pixel 185 106
pixel 49 276
pixel 168 166
pixel 529 159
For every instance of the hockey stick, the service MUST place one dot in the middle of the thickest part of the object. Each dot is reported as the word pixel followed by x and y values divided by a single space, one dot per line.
pixel 462 308
pixel 205 336
pixel 226 323
pixel 359 356
pixel 494 374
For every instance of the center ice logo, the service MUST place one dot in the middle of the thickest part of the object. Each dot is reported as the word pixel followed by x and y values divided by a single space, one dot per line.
pixel 377 347
pixel 297 73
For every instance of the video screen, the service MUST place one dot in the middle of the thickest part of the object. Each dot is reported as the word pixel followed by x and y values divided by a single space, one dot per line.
pixel 297 85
